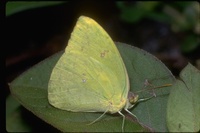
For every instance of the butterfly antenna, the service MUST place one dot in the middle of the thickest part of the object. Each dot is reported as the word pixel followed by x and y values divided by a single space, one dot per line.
pixel 165 85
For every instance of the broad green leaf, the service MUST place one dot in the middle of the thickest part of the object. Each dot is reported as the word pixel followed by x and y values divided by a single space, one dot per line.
pixel 17 6
pixel 14 120
pixel 30 89
pixel 183 110
pixel 142 66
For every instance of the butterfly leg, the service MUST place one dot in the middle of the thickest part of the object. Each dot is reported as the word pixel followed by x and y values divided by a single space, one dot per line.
pixel 140 100
pixel 122 121
pixel 132 114
pixel 145 99
pixel 98 118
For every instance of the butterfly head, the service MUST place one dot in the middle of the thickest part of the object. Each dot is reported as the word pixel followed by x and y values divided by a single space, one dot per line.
pixel 132 100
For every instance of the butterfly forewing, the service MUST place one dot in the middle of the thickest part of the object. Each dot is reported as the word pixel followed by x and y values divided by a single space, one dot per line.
pixel 90 76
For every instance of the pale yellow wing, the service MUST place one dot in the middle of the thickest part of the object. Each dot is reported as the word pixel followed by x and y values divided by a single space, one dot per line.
pixel 90 76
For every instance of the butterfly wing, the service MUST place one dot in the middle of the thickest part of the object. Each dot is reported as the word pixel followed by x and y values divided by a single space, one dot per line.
pixel 90 76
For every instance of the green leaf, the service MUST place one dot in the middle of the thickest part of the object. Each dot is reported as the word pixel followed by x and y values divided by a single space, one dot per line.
pixel 14 120
pixel 141 66
pixel 30 89
pixel 183 110
pixel 13 7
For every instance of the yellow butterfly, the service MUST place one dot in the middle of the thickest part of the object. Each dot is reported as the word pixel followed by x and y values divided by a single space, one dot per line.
pixel 91 76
